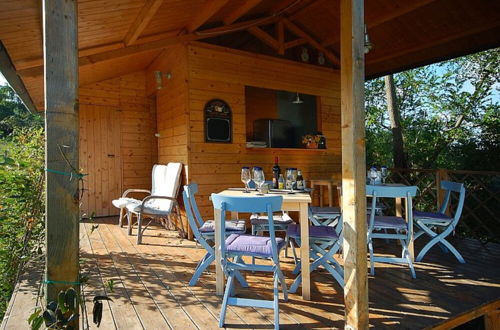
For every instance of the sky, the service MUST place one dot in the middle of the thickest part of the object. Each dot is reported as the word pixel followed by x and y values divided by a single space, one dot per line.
pixel 2 80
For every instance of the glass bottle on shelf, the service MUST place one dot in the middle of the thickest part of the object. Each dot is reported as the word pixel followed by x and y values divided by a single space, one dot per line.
pixel 281 182
pixel 276 173
pixel 300 181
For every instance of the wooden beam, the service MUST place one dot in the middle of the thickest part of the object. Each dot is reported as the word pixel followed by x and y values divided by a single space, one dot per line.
pixel 142 20
pixel 431 43
pixel 402 9
pixel 300 33
pixel 240 11
pixel 280 32
pixel 305 9
pixel 158 41
pixel 264 37
pixel 209 9
pixel 9 73
pixel 295 43
pixel 61 145
pixel 353 163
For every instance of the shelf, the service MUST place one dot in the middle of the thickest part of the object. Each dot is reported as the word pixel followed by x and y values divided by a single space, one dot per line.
pixel 288 150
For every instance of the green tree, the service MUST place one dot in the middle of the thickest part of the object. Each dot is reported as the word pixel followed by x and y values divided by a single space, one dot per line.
pixel 448 114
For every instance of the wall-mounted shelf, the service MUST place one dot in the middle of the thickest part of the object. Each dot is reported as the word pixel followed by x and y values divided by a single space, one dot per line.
pixel 301 150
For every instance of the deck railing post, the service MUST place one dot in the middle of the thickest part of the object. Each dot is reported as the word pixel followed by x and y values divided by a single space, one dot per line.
pixel 353 163
pixel 61 146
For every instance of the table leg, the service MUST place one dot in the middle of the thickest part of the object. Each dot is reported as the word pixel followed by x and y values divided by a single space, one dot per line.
pixel 219 274
pixel 304 252
pixel 411 248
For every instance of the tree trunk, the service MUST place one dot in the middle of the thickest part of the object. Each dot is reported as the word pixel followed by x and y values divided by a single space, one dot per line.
pixel 398 153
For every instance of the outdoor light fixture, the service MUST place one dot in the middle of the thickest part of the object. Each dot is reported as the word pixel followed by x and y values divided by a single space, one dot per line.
pixel 368 43
pixel 297 99
pixel 159 78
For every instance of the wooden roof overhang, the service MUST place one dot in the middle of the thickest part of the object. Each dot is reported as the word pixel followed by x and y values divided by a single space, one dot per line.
pixel 120 36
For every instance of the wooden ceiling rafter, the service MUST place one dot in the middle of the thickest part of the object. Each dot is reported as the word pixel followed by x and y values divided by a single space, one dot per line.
pixel 210 8
pixel 280 32
pixel 292 27
pixel 306 8
pixel 265 37
pixel 405 8
pixel 240 11
pixel 34 67
pixel 142 20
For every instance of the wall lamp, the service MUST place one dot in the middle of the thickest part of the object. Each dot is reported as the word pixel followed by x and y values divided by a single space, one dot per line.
pixel 159 78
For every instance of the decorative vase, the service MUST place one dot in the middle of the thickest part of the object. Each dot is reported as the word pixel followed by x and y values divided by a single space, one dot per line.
pixel 312 145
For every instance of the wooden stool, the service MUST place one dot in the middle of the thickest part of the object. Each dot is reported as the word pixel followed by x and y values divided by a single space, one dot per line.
pixel 321 183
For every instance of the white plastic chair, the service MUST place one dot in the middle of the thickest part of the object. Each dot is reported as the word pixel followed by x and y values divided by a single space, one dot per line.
pixel 428 222
pixel 161 203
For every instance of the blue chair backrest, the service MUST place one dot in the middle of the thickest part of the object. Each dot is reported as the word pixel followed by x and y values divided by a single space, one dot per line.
pixel 376 191
pixel 264 204
pixel 450 187
pixel 193 214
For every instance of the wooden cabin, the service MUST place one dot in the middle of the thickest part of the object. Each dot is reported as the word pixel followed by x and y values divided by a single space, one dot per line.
pixel 136 76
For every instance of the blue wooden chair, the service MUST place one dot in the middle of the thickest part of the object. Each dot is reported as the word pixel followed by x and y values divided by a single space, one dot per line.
pixel 391 227
pixel 324 243
pixel 239 245
pixel 204 231
pixel 429 222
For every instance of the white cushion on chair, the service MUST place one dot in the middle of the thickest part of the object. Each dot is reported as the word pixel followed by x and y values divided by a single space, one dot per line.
pixel 165 183
pixel 123 201
pixel 151 207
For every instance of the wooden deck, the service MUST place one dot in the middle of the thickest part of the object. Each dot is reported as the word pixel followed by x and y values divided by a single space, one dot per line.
pixel 150 287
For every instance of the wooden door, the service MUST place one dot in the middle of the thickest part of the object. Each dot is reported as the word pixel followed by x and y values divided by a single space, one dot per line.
pixel 100 158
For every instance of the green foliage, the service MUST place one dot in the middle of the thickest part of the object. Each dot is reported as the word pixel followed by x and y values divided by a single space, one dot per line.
pixel 449 116
pixel 21 191
pixel 60 314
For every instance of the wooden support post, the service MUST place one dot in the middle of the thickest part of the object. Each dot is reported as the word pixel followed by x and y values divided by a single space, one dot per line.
pixel 353 163
pixel 492 320
pixel 61 146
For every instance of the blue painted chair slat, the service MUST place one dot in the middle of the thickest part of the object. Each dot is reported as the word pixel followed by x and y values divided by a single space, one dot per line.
pixel 428 222
pixel 248 245
pixel 395 228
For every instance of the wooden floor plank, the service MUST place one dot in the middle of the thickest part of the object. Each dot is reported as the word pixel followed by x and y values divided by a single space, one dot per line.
pixel 145 306
pixel 151 286
pixel 124 312
pixel 94 286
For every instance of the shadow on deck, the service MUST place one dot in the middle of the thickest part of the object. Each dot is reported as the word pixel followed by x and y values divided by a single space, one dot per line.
pixel 150 287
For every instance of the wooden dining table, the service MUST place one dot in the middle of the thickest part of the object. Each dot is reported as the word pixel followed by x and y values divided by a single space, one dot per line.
pixel 291 202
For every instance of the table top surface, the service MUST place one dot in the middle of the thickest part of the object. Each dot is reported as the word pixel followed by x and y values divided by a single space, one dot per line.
pixel 296 197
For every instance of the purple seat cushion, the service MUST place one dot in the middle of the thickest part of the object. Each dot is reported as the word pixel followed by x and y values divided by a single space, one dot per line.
pixel 417 215
pixel 284 219
pixel 389 222
pixel 232 226
pixel 323 232
pixel 252 245
pixel 325 210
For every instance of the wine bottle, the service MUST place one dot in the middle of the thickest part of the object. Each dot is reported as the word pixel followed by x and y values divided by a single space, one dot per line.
pixel 276 173
pixel 300 181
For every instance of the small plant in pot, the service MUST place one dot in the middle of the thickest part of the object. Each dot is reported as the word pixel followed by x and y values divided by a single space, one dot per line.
pixel 311 141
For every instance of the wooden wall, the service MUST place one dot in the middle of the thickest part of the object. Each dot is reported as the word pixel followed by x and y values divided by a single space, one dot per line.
pixel 136 118
pixel 215 72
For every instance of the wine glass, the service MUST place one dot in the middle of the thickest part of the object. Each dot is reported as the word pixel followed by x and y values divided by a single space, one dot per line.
pixel 258 177
pixel 373 175
pixel 384 173
pixel 246 177
pixel 292 178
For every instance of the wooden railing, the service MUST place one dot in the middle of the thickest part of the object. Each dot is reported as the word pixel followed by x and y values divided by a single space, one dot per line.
pixel 481 214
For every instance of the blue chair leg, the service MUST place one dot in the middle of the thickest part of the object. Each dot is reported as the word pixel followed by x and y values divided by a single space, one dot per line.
pixel 202 265
pixel 276 301
pixel 238 275
pixel 229 288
